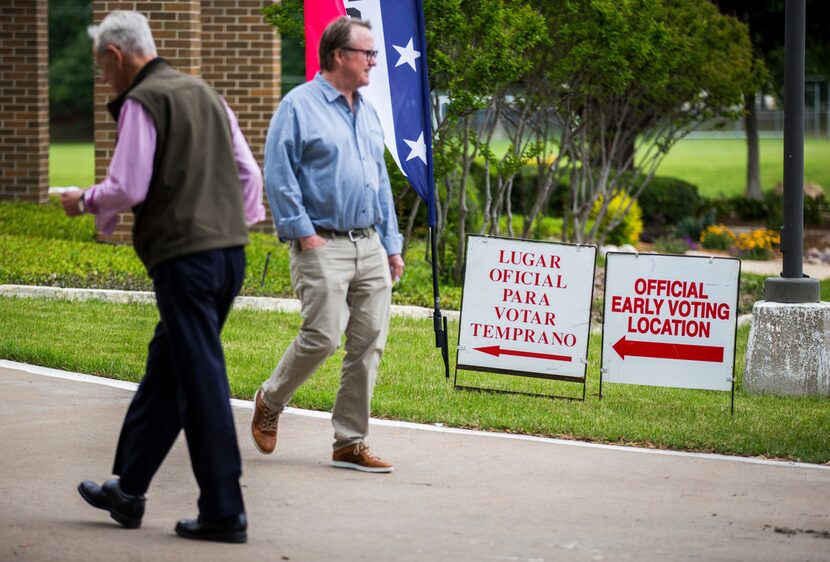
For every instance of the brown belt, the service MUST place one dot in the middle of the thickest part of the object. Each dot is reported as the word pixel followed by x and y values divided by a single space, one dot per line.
pixel 353 234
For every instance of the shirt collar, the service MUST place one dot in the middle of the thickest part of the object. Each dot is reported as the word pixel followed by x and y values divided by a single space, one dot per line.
pixel 330 92
pixel 114 106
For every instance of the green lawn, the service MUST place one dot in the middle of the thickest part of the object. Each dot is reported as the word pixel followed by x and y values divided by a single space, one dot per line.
pixel 411 385
pixel 718 166
pixel 71 164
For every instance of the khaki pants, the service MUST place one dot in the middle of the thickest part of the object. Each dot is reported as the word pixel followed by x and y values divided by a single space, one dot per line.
pixel 343 286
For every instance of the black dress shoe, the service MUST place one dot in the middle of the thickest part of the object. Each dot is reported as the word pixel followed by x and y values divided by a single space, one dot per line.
pixel 127 510
pixel 230 529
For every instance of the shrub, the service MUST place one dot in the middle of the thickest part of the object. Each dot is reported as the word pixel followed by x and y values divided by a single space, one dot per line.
pixel 816 211
pixel 626 232
pixel 751 209
pixel 547 228
pixel 691 227
pixel 672 245
pixel 717 237
pixel 666 201
pixel 769 210
pixel 544 228
pixel 44 221
pixel 32 260
pixel 773 210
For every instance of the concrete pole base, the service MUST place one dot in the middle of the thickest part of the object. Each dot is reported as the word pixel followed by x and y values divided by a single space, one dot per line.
pixel 788 353
pixel 778 289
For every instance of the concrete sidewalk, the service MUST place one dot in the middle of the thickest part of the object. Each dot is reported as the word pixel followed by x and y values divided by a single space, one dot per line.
pixel 454 495
pixel 773 268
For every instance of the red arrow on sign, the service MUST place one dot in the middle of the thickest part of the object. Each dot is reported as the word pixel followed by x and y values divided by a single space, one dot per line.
pixel 668 350
pixel 497 351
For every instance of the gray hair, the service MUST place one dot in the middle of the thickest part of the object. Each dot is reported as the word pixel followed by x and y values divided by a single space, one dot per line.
pixel 337 35
pixel 129 31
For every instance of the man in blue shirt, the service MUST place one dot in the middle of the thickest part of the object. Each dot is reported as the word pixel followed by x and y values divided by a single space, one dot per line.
pixel 329 192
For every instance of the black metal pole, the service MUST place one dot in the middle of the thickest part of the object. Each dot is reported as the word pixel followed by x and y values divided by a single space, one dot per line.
pixel 439 323
pixel 793 287
pixel 792 244
pixel 265 269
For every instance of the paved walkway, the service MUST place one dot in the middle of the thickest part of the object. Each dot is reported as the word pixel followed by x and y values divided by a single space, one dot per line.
pixel 455 495
pixel 773 268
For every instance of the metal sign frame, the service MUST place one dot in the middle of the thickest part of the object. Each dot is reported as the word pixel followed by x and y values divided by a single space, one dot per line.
pixel 513 372
pixel 734 335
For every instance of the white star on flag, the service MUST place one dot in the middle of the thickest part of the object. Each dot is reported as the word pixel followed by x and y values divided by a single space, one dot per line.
pixel 402 98
pixel 418 149
pixel 408 55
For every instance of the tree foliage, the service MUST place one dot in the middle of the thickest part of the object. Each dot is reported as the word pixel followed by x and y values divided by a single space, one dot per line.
pixel 639 75
pixel 70 60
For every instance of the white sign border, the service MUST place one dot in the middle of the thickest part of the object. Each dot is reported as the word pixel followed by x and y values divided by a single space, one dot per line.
pixel 708 258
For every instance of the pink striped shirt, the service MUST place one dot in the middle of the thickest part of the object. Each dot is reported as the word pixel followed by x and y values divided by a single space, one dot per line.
pixel 131 168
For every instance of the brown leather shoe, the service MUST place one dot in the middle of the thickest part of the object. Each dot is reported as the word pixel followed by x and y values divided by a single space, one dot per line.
pixel 264 426
pixel 358 457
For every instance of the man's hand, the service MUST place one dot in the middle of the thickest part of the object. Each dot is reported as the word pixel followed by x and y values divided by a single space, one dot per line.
pixel 71 201
pixel 396 267
pixel 311 242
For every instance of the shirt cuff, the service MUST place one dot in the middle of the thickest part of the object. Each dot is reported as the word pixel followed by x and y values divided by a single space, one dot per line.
pixel 255 215
pixel 89 201
pixel 294 228
pixel 392 244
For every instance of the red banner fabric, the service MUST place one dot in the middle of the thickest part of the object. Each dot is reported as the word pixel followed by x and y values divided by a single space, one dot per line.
pixel 318 14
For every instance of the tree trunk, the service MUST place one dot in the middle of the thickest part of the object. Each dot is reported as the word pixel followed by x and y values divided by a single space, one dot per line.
pixel 466 161
pixel 753 161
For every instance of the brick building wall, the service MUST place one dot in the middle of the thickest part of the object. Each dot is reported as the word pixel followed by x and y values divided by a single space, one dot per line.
pixel 225 42
pixel 24 101
pixel 241 59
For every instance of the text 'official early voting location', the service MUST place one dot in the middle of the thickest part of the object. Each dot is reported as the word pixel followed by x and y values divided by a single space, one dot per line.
pixel 670 320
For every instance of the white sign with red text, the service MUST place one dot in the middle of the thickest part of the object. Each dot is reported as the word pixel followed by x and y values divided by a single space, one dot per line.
pixel 670 320
pixel 526 307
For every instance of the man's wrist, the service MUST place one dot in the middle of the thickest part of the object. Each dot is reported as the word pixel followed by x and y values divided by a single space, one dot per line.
pixel 82 204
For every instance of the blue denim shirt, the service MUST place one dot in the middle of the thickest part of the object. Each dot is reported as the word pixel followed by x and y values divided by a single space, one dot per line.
pixel 324 166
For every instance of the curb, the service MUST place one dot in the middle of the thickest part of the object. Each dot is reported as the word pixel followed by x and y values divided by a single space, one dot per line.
pixel 147 297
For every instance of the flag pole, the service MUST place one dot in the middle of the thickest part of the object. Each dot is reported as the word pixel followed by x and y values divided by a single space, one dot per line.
pixel 439 321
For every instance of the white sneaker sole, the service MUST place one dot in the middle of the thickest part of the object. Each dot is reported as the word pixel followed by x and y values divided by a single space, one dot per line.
pixel 353 466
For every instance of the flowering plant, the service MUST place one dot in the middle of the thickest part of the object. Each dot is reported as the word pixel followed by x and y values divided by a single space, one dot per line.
pixel 717 237
pixel 758 244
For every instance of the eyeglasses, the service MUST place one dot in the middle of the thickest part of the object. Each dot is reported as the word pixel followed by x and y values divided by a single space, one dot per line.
pixel 368 53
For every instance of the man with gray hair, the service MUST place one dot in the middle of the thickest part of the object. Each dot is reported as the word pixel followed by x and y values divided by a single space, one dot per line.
pixel 184 168
pixel 329 191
